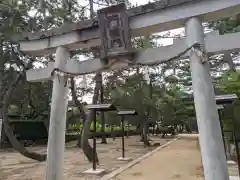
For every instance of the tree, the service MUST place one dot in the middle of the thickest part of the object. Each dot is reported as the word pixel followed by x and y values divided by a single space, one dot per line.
pixel 13 65
pixel 229 80
pixel 15 19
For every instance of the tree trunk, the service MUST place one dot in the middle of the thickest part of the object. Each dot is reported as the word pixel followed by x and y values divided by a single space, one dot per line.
pixel 79 106
pixel 34 111
pixel 144 120
pixel 46 124
pixel 76 102
pixel 144 132
pixel 2 133
pixel 87 149
pixel 47 121
pixel 8 130
pixel 229 60
pixel 127 129
pixel 3 139
pixel 104 140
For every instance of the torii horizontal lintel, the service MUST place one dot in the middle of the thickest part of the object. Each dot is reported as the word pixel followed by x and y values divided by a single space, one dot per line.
pixel 93 23
pixel 215 44
pixel 143 20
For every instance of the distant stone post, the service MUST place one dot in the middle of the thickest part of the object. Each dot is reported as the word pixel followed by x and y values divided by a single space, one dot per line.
pixel 123 114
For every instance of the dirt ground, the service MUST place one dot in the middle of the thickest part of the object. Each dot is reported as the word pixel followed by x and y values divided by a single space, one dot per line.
pixel 14 166
pixel 181 160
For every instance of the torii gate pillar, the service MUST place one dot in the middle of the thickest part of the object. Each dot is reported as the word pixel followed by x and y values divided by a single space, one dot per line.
pixel 56 136
pixel 212 149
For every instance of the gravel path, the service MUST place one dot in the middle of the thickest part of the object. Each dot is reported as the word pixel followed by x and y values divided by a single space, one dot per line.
pixel 14 166
pixel 181 160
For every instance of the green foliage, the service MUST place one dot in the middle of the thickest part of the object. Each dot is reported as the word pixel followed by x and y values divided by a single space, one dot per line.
pixel 75 127
pixel 98 125
pixel 229 25
pixel 160 102
pixel 17 17
pixel 127 89
pixel 78 127
pixel 230 83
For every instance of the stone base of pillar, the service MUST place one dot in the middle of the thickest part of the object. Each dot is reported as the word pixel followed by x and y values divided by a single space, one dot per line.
pixel 231 162
pixel 234 178
pixel 124 159
pixel 95 172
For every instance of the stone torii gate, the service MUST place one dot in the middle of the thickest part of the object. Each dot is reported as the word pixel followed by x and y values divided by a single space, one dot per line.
pixel 142 20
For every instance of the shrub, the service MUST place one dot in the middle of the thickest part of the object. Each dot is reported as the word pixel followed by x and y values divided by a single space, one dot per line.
pixel 79 126
pixel 75 127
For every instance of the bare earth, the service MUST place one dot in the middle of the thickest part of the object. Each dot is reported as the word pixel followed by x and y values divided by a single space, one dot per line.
pixel 181 160
pixel 14 166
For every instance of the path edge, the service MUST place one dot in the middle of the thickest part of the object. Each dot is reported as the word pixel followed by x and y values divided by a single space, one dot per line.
pixel 136 161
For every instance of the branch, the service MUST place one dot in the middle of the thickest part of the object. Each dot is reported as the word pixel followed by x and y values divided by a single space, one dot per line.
pixel 7 127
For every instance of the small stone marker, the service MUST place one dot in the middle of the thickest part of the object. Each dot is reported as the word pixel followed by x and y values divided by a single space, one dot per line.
pixel 123 114
pixel 95 108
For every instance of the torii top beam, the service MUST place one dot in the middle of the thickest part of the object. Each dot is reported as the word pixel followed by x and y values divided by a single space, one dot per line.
pixel 143 20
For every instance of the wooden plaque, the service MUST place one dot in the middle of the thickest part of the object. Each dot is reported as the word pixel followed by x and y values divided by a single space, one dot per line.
pixel 114 32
